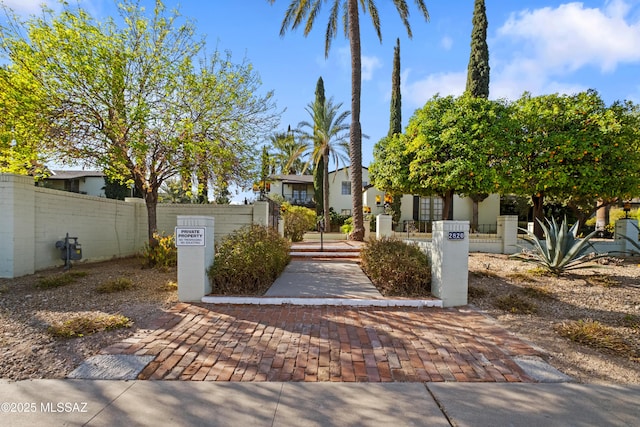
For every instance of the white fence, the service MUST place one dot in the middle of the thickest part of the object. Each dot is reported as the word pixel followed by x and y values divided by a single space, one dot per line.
pixel 507 240
pixel 33 218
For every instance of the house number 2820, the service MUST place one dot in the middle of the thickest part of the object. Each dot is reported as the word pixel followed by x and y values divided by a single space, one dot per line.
pixel 456 235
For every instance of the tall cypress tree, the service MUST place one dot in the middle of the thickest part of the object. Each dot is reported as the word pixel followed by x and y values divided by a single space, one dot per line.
pixel 395 120
pixel 318 171
pixel 478 71
pixel 478 77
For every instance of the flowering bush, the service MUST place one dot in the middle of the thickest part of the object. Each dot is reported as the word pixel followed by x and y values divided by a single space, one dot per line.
pixel 297 221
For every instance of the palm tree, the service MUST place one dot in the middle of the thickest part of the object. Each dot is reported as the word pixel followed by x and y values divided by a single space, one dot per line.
pixel 288 153
pixel 327 139
pixel 301 10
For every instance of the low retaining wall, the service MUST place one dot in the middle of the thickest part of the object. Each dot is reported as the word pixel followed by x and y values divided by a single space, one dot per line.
pixel 493 243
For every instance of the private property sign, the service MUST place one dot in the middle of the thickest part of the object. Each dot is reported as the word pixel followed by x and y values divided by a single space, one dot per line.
pixel 192 236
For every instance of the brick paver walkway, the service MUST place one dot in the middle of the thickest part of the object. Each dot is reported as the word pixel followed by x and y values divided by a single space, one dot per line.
pixel 319 343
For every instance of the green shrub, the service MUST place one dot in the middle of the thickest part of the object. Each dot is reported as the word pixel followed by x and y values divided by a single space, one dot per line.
pixel 248 261
pixel 89 323
pixel 297 221
pixel 396 268
pixel 116 285
pixel 163 253
pixel 337 220
pixel 615 214
pixel 347 227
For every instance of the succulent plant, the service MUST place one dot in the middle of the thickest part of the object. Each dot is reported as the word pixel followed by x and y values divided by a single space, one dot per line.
pixel 561 249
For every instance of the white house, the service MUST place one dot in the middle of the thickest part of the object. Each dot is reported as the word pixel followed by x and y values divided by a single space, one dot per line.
pixel 416 211
pixel 91 183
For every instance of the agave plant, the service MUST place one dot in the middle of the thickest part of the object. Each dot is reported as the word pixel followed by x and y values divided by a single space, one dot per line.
pixel 561 250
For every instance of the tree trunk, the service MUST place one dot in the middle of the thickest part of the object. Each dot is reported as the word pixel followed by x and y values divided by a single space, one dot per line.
pixel 355 131
pixel 474 216
pixel 151 202
pixel 538 214
pixel 476 198
pixel 447 205
pixel 602 217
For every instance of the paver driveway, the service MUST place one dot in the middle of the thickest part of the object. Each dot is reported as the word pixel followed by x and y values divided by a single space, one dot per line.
pixel 323 343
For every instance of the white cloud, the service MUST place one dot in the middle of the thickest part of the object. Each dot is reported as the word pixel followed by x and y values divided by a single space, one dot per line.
pixel 554 42
pixel 446 42
pixel 26 6
pixel 417 93
pixel 369 65
pixel 33 7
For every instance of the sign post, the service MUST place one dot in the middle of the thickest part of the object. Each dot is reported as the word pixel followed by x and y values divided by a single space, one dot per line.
pixel 194 240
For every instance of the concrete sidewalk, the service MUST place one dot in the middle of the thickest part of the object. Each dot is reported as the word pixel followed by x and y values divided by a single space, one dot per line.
pixel 187 403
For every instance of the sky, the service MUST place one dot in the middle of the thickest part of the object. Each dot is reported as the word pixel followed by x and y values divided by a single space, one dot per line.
pixel 539 46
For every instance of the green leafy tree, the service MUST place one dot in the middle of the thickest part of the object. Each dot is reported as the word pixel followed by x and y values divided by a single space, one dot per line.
pixel 142 101
pixel 327 139
pixel 453 147
pixel 478 78
pixel 114 189
pixel 574 150
pixel 22 124
pixel 301 10
pixel 174 190
pixel 389 170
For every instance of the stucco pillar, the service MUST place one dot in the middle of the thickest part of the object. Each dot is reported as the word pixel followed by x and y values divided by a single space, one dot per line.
pixel 508 232
pixel 367 229
pixel 384 225
pixel 627 227
pixel 17 226
pixel 194 240
pixel 450 262
pixel 261 213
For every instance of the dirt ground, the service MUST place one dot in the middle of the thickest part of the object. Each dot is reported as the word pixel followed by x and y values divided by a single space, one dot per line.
pixel 609 294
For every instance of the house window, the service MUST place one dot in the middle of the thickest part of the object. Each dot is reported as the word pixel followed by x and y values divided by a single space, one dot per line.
pixel 299 192
pixel 72 185
pixel 345 212
pixel 430 208
pixel 346 188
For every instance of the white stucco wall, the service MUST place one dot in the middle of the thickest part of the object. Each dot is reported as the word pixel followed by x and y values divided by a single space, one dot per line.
pixel 34 218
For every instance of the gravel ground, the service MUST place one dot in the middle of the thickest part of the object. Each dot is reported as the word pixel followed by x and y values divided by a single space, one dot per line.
pixel 610 295
pixel 26 311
